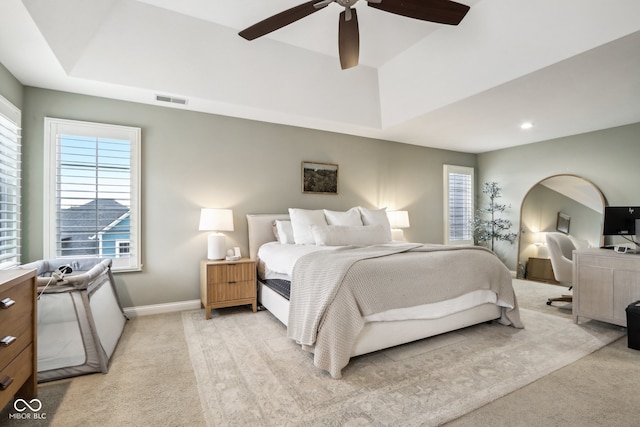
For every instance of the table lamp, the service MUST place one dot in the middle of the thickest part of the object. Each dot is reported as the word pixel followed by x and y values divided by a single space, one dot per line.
pixel 216 220
pixel 398 220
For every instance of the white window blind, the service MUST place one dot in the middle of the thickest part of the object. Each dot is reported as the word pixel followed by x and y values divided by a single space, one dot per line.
pixel 10 184
pixel 93 180
pixel 458 204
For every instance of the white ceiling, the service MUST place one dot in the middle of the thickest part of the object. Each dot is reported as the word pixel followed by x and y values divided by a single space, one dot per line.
pixel 578 189
pixel 568 66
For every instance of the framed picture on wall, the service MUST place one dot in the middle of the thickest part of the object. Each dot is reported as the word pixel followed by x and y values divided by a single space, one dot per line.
pixel 319 178
pixel 563 223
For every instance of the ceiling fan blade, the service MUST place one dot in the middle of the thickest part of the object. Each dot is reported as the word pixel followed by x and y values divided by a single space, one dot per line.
pixel 440 11
pixel 348 40
pixel 280 20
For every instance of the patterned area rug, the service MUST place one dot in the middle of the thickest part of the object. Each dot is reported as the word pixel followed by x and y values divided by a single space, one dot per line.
pixel 249 373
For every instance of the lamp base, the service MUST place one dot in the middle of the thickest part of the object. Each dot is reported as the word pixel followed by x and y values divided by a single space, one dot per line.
pixel 397 234
pixel 216 246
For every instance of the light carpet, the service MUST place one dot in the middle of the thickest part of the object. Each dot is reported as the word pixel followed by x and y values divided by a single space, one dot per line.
pixel 249 373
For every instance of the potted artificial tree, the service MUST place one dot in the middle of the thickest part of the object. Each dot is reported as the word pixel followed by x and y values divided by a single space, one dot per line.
pixel 488 226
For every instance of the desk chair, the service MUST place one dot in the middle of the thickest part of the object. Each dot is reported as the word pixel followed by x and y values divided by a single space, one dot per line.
pixel 560 248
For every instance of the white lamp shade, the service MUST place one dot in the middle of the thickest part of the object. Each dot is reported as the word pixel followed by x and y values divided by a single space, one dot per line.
pixel 540 239
pixel 398 219
pixel 216 220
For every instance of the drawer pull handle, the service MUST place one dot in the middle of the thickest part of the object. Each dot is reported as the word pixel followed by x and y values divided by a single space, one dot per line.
pixel 5 382
pixel 6 303
pixel 232 283
pixel 7 341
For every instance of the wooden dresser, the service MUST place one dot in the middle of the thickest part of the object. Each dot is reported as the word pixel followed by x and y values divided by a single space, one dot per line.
pixel 18 335
pixel 604 284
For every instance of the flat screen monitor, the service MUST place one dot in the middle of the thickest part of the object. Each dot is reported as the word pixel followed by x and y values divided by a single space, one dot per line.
pixel 620 220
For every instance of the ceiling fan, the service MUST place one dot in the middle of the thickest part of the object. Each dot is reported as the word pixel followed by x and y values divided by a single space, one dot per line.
pixel 440 11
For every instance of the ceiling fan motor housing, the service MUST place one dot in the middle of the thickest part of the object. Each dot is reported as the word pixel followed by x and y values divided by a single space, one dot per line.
pixel 346 3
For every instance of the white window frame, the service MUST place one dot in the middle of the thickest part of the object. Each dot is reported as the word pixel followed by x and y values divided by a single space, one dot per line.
pixel 118 247
pixel 11 173
pixel 55 127
pixel 460 170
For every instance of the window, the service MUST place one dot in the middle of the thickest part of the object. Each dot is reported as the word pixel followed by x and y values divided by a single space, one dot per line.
pixel 122 248
pixel 92 206
pixel 458 205
pixel 10 172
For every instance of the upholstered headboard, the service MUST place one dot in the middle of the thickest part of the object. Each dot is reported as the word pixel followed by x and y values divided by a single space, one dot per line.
pixel 261 230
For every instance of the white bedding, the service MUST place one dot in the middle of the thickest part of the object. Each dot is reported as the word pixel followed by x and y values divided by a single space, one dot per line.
pixel 436 310
pixel 276 261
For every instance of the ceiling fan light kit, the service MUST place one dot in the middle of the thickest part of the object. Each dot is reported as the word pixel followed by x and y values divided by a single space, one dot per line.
pixel 439 11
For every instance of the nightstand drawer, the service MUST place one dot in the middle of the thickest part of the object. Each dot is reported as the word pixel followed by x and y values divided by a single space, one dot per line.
pixel 230 273
pixel 224 292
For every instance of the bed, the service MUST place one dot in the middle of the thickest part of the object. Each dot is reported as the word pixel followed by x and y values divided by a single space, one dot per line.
pixel 343 322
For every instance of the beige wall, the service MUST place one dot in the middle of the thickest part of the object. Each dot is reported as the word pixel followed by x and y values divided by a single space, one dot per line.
pixel 10 88
pixel 609 158
pixel 193 160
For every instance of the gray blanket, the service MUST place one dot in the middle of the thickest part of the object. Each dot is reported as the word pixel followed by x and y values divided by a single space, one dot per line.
pixel 332 291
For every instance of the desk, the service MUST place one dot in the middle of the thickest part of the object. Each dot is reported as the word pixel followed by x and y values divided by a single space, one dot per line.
pixel 604 284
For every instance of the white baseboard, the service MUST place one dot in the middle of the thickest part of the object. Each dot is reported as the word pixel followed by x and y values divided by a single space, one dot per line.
pixel 147 310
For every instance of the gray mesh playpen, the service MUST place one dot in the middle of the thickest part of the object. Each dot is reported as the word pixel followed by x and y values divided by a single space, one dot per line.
pixel 80 318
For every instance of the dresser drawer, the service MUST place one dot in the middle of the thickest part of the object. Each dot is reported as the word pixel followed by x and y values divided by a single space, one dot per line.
pixel 16 374
pixel 16 322
pixel 22 297
pixel 612 260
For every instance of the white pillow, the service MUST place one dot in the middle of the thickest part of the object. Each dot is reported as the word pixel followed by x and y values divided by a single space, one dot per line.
pixel 376 216
pixel 301 222
pixel 345 235
pixel 350 217
pixel 283 232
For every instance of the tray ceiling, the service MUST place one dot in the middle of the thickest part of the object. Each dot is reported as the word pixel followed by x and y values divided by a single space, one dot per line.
pixel 569 67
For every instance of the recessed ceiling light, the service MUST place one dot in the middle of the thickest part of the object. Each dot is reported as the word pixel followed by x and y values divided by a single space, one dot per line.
pixel 526 125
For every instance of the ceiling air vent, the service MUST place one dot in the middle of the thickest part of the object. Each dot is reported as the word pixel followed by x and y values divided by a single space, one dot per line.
pixel 170 99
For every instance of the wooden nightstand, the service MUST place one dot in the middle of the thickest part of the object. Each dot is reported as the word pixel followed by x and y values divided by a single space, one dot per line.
pixel 227 284
pixel 540 270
